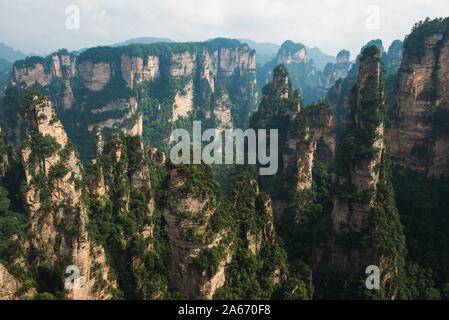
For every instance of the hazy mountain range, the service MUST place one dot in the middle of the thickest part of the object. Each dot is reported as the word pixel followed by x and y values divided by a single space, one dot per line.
pixel 266 51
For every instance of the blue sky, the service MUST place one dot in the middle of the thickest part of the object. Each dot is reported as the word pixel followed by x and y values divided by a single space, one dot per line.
pixel 40 26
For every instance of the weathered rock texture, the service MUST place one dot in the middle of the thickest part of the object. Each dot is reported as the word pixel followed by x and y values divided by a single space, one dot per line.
pixel 414 141
pixel 54 202
pixel 363 175
pixel 135 70
pixel 188 226
pixel 202 70
pixel 11 288
pixel 105 86
pixel 300 129
pixel 363 201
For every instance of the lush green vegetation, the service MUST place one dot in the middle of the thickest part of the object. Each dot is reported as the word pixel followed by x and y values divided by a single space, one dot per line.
pixel 254 276
pixel 383 229
pixel 155 98
pixel 357 143
pixel 414 43
pixel 266 263
pixel 13 219
pixel 14 223
pixel 422 204
pixel 123 213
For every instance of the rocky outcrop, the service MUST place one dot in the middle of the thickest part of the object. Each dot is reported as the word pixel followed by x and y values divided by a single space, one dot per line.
pixel 364 200
pixel 222 112
pixel 95 75
pixel 119 148
pixel 291 52
pixel 266 235
pixel 302 70
pixel 304 132
pixel 415 139
pixel 30 75
pixel 130 121
pixel 200 70
pixel 43 72
pixel 188 217
pixel 54 201
pixel 136 70
pixel 12 288
pixel 183 103
pixel 363 175
pixel 104 86
pixel 343 56
pixel 9 285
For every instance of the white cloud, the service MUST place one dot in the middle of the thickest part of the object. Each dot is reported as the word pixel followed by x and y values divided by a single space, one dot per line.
pixel 332 25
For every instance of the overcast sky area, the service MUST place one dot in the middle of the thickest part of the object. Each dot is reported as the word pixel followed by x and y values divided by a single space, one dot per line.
pixel 40 26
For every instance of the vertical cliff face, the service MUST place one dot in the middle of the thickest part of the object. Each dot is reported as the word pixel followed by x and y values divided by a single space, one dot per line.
pixel 125 160
pixel 364 200
pixel 259 265
pixel 11 288
pixel 136 70
pixel 418 134
pixel 55 71
pixel 212 81
pixel 200 249
pixel 363 175
pixel 343 56
pixel 339 93
pixel 300 130
pixel 291 52
pixel 314 123
pixel 265 236
pixel 55 203
pixel 108 87
pixel 122 209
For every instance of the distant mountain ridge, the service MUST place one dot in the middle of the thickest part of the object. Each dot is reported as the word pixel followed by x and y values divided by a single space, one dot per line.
pixel 142 40
pixel 9 54
pixel 4 64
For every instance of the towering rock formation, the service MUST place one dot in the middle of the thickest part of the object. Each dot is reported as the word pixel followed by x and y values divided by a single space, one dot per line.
pixel 211 237
pixel 205 76
pixel 54 201
pixel 291 52
pixel 339 94
pixel 303 73
pixel 365 228
pixel 123 210
pixel 259 266
pixel 418 137
pixel 300 131
pixel 200 248
pixel 122 161
pixel 343 56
